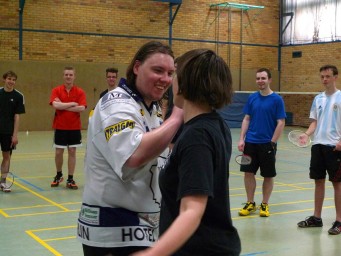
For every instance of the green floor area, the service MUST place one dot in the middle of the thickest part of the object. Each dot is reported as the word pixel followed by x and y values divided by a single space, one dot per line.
pixel 38 220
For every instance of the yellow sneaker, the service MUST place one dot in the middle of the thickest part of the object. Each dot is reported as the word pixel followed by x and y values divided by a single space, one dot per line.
pixel 247 209
pixel 264 210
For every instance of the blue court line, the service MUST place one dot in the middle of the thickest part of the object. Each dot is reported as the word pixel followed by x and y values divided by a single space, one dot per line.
pixel 28 183
pixel 253 253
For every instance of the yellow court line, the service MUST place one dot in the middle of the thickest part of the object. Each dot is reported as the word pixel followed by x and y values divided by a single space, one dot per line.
pixel 275 191
pixel 60 238
pixel 276 185
pixel 44 244
pixel 37 206
pixel 4 214
pixel 42 197
pixel 293 202
pixel 279 213
pixel 40 213
pixel 54 228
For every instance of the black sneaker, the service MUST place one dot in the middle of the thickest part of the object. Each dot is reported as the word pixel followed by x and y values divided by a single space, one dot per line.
pixel 335 229
pixel 310 222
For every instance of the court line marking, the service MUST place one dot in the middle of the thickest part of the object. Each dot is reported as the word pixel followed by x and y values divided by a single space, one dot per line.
pixel 60 238
pixel 41 197
pixel 38 206
pixel 40 213
pixel 44 244
pixel 279 213
pixel 294 202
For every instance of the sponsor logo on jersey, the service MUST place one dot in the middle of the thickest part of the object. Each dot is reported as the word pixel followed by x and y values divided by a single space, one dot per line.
pixel 118 128
pixel 139 234
pixel 89 215
pixel 113 96
pixel 83 232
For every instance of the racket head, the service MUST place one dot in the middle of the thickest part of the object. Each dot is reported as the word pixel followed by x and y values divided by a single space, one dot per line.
pixel 299 138
pixel 9 179
pixel 243 159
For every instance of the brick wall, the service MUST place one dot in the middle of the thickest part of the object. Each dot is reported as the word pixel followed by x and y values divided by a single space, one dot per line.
pixel 110 31
pixel 104 30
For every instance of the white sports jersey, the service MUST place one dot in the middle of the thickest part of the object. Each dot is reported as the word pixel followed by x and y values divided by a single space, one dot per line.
pixel 326 109
pixel 120 205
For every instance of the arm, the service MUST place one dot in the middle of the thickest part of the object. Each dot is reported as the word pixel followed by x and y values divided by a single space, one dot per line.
pixel 311 129
pixel 76 109
pixel 192 209
pixel 156 141
pixel 57 104
pixel 15 131
pixel 278 130
pixel 244 128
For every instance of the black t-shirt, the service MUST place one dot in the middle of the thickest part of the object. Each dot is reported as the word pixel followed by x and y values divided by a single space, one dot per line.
pixel 103 93
pixel 11 103
pixel 199 165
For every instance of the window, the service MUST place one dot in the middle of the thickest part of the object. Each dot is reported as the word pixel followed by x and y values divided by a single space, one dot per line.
pixel 311 21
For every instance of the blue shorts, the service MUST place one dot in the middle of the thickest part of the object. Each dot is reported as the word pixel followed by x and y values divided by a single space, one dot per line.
pixel 67 138
pixel 263 157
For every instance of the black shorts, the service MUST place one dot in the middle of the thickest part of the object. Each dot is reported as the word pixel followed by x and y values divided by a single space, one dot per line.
pixel 6 141
pixel 67 138
pixel 325 160
pixel 263 156
pixel 116 251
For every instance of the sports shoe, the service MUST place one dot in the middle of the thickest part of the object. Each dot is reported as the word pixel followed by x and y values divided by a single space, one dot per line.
pixel 264 210
pixel 71 184
pixel 335 229
pixel 56 181
pixel 4 188
pixel 310 222
pixel 247 209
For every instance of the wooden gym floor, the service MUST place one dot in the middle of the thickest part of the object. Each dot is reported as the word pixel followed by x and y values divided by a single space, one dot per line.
pixel 38 220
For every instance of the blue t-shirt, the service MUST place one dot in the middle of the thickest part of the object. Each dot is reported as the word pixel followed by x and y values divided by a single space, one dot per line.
pixel 264 111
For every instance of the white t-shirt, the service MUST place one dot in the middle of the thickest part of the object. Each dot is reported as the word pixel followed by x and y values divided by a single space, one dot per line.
pixel 326 109
pixel 120 206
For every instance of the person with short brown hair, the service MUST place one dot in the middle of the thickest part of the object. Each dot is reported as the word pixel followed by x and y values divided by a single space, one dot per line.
pixel 111 76
pixel 12 104
pixel 69 101
pixel 325 114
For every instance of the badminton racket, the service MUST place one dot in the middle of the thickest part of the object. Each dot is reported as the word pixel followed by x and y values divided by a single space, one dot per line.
pixel 243 159
pixel 299 138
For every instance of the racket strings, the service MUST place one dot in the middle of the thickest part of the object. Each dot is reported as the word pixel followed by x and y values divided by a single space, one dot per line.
pixel 299 138
pixel 7 179
pixel 243 159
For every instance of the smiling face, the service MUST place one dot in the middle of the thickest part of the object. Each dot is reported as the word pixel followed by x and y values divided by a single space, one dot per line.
pixel 154 76
pixel 10 83
pixel 111 80
pixel 263 81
